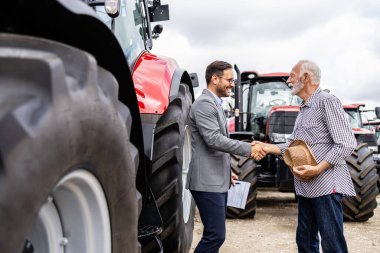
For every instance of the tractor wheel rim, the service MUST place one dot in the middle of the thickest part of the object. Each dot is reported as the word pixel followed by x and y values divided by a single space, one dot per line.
pixel 186 156
pixel 75 217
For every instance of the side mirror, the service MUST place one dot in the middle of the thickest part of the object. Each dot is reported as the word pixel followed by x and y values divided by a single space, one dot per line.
pixel 158 12
pixel 194 79
pixel 157 30
pixel 377 110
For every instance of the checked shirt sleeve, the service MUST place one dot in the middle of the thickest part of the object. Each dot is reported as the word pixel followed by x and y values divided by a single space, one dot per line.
pixel 284 146
pixel 340 131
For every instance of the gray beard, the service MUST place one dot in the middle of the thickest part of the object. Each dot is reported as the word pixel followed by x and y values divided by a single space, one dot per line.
pixel 297 87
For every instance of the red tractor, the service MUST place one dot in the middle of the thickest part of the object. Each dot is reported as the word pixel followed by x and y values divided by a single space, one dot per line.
pixel 266 111
pixel 354 113
pixel 95 145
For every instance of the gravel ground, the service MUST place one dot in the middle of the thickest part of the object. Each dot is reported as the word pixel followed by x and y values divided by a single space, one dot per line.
pixel 273 228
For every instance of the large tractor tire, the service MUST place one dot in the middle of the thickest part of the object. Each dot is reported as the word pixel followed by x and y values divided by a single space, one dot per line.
pixel 171 159
pixel 364 176
pixel 245 168
pixel 67 168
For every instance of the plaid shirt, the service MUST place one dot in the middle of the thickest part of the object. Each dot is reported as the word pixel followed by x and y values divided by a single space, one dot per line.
pixel 322 124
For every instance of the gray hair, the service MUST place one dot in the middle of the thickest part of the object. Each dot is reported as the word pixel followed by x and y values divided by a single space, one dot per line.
pixel 312 69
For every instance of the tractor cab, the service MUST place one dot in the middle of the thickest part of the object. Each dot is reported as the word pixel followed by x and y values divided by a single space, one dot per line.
pixel 267 96
pixel 371 122
pixel 362 134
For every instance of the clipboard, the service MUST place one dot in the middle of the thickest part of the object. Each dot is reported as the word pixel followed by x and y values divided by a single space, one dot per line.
pixel 238 194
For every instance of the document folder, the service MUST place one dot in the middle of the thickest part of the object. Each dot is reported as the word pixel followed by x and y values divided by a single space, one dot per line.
pixel 238 194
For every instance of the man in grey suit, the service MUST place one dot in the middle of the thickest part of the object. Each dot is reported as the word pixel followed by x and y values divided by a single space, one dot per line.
pixel 209 175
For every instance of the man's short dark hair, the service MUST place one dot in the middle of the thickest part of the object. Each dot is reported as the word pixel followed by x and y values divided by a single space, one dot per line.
pixel 216 68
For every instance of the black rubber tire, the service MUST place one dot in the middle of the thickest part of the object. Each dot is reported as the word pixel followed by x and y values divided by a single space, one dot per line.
pixel 245 168
pixel 59 112
pixel 364 176
pixel 166 181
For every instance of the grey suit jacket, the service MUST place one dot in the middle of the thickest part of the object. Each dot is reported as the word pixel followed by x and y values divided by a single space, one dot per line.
pixel 210 169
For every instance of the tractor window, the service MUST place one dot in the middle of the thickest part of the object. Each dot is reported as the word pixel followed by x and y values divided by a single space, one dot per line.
pixel 368 116
pixel 266 95
pixel 130 27
pixel 353 117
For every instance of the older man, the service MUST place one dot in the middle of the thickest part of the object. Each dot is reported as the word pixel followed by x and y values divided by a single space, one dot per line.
pixel 321 123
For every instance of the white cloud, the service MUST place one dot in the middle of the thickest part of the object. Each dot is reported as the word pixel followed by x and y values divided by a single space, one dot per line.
pixel 343 37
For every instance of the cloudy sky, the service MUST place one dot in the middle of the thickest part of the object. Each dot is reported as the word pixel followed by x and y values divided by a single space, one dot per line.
pixel 341 36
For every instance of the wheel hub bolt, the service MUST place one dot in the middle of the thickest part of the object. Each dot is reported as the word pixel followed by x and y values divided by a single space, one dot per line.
pixel 64 241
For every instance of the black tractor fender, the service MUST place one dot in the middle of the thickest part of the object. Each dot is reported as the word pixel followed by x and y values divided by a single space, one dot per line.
pixel 180 76
pixel 74 23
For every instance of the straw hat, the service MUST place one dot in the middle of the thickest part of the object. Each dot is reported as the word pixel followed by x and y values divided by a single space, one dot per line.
pixel 299 153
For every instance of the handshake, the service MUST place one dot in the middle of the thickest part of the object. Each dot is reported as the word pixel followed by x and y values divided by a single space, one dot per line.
pixel 304 172
pixel 259 150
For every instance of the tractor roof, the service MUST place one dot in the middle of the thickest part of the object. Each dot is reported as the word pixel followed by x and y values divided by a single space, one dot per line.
pixel 245 76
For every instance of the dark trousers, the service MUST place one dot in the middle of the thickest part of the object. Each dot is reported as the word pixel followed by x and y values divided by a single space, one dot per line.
pixel 212 208
pixel 323 214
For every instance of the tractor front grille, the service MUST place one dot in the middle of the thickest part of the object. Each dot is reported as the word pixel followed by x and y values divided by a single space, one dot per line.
pixel 366 138
pixel 282 122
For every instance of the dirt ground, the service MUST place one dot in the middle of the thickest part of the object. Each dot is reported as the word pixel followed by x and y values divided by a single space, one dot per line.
pixel 273 228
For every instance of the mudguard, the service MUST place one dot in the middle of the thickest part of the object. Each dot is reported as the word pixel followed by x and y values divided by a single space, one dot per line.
pixel 157 82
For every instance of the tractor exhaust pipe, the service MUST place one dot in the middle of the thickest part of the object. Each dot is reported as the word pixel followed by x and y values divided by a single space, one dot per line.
pixel 238 101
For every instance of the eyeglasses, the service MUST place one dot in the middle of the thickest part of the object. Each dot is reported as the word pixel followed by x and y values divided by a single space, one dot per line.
pixel 230 80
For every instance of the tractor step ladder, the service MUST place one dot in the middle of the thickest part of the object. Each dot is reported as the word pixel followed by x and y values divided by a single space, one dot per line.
pixel 150 222
pixel 148 232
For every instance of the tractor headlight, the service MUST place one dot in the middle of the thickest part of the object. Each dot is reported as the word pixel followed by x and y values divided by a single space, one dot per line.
pixel 374 149
pixel 279 138
pixel 376 157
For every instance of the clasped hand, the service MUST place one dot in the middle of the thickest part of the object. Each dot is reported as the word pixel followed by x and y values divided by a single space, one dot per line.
pixel 258 151
pixel 306 172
